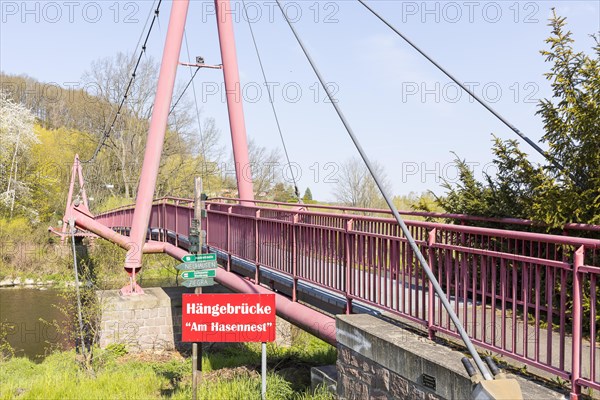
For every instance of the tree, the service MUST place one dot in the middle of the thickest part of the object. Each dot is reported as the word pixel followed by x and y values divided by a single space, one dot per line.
pixel 71 121
pixel 265 166
pixel 572 134
pixel 307 195
pixel 356 187
pixel 55 107
pixel 547 193
pixel 110 76
pixel 17 137
pixel 283 193
pixel 417 201
pixel 179 168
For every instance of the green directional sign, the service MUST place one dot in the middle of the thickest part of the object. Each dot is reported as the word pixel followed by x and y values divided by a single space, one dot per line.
pixel 203 273
pixel 197 282
pixel 199 257
pixel 197 265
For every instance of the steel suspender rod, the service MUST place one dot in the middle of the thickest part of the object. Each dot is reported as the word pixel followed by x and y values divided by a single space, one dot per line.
pixel 461 330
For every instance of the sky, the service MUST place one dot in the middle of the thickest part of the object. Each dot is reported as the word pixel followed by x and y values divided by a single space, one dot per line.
pixel 409 117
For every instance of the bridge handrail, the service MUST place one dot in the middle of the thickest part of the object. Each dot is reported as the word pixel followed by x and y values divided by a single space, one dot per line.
pixel 425 214
pixel 541 237
pixel 510 234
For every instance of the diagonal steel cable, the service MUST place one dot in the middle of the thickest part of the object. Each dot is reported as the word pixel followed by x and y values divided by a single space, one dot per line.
pixel 413 245
pixel 262 69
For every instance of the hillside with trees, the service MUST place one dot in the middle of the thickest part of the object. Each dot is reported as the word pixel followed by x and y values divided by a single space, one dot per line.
pixel 44 125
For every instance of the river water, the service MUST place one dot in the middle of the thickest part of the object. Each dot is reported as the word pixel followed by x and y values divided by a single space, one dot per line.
pixel 28 317
pixel 22 315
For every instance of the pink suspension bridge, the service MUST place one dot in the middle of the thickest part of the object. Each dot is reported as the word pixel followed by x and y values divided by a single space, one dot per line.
pixel 508 288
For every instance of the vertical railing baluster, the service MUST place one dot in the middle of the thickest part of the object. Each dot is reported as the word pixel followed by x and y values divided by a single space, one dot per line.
pixel 576 322
pixel 256 249
pixel 348 268
pixel 525 296
pixel 294 259
pixel 176 224
pixel 229 238
pixel 431 292
pixel 164 221
pixel 593 313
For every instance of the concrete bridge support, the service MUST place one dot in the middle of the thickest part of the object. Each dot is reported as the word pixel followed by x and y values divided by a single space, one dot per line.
pixel 152 321
pixel 380 360
pixel 146 322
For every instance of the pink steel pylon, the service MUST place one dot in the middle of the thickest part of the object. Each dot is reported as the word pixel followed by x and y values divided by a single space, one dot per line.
pixel 75 171
pixel 154 144
pixel 158 125
pixel 233 92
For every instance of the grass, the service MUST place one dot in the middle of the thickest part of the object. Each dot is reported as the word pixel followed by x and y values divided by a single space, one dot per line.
pixel 229 372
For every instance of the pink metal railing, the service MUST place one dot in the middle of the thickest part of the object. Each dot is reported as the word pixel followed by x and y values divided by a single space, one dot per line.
pixel 457 218
pixel 532 297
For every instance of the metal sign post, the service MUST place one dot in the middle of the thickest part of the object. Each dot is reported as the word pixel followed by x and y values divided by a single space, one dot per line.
pixel 252 322
pixel 263 372
pixel 197 347
pixel 196 372
pixel 230 318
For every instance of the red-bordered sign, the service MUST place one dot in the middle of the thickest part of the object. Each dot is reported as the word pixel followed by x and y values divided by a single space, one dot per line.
pixel 228 318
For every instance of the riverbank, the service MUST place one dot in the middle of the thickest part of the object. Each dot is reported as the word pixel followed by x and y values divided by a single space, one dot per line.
pixel 230 371
pixel 100 266
pixel 30 283
pixel 40 260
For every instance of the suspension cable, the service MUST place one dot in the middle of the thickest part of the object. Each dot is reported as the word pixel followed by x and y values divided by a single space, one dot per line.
pixel 198 119
pixel 184 90
pixel 537 148
pixel 262 69
pixel 415 248
pixel 76 273
pixel 107 132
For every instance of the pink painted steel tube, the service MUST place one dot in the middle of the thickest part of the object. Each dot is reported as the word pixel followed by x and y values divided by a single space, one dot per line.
pixel 430 292
pixel 576 360
pixel 311 320
pixel 69 198
pixel 234 101
pixel 81 182
pixel 156 134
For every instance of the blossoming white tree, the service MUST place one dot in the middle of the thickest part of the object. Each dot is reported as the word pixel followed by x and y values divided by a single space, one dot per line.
pixel 17 136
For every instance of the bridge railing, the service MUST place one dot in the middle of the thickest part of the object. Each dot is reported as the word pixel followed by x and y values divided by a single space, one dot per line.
pixel 529 296
pixel 462 219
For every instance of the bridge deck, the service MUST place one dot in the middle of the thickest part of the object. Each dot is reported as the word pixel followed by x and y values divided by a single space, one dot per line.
pixel 496 279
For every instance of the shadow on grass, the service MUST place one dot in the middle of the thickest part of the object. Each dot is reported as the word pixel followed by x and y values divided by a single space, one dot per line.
pixel 238 364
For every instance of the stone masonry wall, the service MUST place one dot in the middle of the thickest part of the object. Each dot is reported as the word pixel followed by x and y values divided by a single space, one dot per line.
pixel 151 321
pixel 361 378
pixel 378 360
